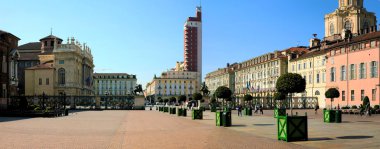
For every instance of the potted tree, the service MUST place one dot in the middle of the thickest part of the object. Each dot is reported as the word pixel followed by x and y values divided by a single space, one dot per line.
pixel 366 106
pixel 166 109
pixel 161 101
pixel 332 115
pixel 172 109
pixel 213 104
pixel 291 128
pixel 278 109
pixel 197 113
pixel 181 111
pixel 248 110
pixel 223 118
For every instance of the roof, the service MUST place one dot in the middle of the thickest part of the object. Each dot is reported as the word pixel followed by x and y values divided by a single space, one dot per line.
pixel 4 32
pixel 41 66
pixel 310 54
pixel 359 38
pixel 51 37
pixel 30 46
pixel 109 74
pixel 29 56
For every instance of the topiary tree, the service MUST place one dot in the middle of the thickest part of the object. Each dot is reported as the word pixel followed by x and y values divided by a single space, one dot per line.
pixel 332 93
pixel 224 93
pixel 166 101
pixel 247 98
pixel 181 99
pixel 278 96
pixel 173 100
pixel 366 102
pixel 197 97
pixel 290 83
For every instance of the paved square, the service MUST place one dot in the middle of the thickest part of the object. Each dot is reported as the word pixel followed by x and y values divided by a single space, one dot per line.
pixel 153 129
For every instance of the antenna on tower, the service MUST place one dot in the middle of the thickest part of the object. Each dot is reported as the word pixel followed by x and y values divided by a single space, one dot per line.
pixel 200 3
pixel 51 31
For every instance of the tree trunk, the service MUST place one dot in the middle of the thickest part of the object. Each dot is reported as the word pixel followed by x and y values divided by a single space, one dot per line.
pixel 291 104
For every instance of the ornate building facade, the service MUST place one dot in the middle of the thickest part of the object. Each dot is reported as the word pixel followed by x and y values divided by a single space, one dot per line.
pixel 72 73
pixel 351 15
pixel 221 77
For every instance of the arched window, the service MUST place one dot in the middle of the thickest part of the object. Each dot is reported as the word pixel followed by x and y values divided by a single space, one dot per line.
pixel 61 76
pixel 332 29
pixel 317 92
pixel 349 2
pixel 347 25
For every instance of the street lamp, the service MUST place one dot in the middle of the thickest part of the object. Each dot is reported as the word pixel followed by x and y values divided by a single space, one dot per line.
pixel 106 102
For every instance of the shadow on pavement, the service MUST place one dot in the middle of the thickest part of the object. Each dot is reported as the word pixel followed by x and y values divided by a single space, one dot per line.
pixel 263 124
pixel 7 119
pixel 238 125
pixel 354 137
pixel 320 139
pixel 365 121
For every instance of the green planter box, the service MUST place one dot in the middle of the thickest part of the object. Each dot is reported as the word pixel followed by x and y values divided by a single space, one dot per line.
pixel 197 114
pixel 226 118
pixel 160 109
pixel 279 112
pixel 184 112
pixel 166 109
pixel 329 116
pixel 292 128
pixel 219 118
pixel 172 110
pixel 247 111
pixel 213 109
pixel 227 109
pixel 338 116
pixel 179 111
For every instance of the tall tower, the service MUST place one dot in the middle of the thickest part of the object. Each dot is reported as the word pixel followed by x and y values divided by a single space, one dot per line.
pixel 193 44
pixel 351 15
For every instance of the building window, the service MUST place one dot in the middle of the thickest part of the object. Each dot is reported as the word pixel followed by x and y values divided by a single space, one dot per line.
pixel 304 65
pixel 323 61
pixel 347 25
pixel 374 69
pixel 332 29
pixel 317 93
pixel 343 95
pixel 373 44
pixel 373 94
pixel 47 81
pixel 61 61
pixel 352 72
pixel 352 95
pixel 61 76
pixel 332 74
pixel 362 71
pixel 323 77
pixel 40 81
pixel 349 2
pixel 51 43
pixel 293 68
pixel 343 73
pixel 318 78
pixel 361 95
pixel 299 66
pixel 310 65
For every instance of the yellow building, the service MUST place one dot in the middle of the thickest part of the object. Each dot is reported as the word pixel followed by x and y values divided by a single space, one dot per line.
pixel 39 80
pixel 173 84
pixel 64 68
pixel 221 77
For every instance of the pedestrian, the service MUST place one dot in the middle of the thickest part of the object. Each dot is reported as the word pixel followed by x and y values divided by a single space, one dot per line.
pixel 256 109
pixel 261 110
pixel 316 109
pixel 239 108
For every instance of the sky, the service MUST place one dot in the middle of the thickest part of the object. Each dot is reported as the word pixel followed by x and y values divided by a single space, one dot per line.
pixel 145 37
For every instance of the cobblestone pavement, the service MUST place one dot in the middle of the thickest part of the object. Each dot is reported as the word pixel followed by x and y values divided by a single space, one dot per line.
pixel 126 129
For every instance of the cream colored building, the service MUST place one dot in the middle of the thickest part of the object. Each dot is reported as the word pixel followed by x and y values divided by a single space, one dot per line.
pixel 312 67
pixel 258 76
pixel 72 66
pixel 351 15
pixel 173 84
pixel 221 77
pixel 118 84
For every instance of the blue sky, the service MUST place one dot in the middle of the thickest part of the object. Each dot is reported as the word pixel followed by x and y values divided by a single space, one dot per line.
pixel 145 37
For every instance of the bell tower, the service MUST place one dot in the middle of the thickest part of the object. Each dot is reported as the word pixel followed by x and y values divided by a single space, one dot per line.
pixel 351 15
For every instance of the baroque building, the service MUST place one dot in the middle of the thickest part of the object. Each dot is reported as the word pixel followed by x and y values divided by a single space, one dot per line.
pixel 221 77
pixel 68 68
pixel 350 15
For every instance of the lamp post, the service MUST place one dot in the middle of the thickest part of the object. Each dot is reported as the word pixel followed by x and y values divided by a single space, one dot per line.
pixel 43 100
pixel 106 102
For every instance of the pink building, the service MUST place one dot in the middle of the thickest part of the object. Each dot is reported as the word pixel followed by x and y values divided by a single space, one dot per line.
pixel 353 68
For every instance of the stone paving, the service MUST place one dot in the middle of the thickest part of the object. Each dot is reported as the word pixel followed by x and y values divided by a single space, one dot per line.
pixel 153 129
pixel 124 129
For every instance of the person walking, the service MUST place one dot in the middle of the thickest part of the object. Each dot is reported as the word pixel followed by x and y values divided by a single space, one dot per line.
pixel 316 109
pixel 261 110
pixel 239 110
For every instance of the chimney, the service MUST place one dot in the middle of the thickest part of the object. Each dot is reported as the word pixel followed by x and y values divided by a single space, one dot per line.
pixel 315 41
pixel 228 65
